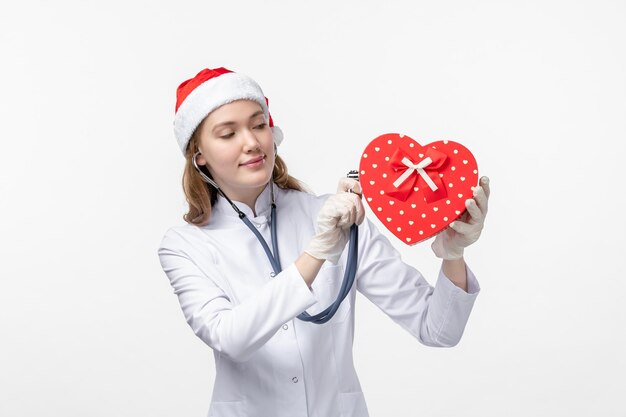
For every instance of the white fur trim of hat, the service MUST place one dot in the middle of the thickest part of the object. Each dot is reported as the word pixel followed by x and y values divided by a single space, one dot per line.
pixel 208 90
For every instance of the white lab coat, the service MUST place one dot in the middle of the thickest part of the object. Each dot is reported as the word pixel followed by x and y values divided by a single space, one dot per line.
pixel 268 363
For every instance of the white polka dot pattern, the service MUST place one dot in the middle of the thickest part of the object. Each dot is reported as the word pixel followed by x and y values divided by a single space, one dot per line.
pixel 415 220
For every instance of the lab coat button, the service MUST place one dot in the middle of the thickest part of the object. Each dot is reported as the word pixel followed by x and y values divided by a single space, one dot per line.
pixel 295 379
pixel 285 327
pixel 258 226
pixel 272 274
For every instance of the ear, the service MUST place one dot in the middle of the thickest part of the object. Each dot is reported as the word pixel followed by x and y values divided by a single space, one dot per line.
pixel 200 160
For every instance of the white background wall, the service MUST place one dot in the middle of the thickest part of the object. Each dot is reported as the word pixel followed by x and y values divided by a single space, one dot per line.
pixel 90 180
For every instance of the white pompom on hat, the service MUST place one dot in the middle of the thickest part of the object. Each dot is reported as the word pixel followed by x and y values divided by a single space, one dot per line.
pixel 208 90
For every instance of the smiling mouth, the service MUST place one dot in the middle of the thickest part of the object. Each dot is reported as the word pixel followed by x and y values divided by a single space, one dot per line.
pixel 253 161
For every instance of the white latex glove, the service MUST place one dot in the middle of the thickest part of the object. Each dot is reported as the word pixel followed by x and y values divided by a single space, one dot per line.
pixel 450 243
pixel 339 212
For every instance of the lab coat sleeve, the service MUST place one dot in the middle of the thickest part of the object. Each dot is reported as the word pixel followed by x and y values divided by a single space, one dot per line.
pixel 236 331
pixel 435 316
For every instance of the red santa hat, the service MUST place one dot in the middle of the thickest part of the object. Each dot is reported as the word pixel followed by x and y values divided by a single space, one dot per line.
pixel 208 90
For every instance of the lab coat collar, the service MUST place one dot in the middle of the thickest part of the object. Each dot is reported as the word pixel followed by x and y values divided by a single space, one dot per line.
pixel 262 205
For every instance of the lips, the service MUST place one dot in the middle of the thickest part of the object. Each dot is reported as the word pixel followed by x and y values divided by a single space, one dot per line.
pixel 252 161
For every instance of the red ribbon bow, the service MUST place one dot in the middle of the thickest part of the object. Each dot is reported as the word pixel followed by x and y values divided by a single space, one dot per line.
pixel 426 165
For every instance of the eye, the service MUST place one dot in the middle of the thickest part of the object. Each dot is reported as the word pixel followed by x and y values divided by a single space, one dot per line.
pixel 228 135
pixel 260 126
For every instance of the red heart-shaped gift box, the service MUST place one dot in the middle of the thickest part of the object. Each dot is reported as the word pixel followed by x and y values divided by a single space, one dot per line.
pixel 416 191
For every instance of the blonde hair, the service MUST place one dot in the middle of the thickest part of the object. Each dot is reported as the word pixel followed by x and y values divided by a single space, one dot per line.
pixel 201 196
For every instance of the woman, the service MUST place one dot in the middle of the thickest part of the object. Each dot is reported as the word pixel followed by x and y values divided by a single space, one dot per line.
pixel 268 361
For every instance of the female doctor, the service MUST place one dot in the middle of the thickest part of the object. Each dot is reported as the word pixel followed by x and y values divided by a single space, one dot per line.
pixel 268 361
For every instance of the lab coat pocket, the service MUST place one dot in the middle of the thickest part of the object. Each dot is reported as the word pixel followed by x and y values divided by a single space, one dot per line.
pixel 329 281
pixel 226 409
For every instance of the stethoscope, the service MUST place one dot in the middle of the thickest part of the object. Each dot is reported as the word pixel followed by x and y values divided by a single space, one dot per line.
pixel 274 258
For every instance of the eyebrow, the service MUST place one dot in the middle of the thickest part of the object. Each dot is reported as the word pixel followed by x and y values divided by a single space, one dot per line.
pixel 255 114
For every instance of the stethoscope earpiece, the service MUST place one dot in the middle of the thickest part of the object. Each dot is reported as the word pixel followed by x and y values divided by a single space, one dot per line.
pixel 204 176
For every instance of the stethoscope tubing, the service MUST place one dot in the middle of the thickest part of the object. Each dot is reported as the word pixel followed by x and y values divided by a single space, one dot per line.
pixel 346 285
pixel 274 257
pixel 349 274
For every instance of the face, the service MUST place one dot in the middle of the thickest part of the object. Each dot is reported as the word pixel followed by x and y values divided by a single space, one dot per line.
pixel 237 147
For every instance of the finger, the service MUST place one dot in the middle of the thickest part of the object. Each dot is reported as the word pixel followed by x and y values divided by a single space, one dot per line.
pixel 481 199
pixel 351 215
pixel 360 212
pixel 336 209
pixel 346 209
pixel 345 184
pixel 343 215
pixel 343 220
pixel 477 214
pixel 484 182
pixel 356 188
pixel 460 227
pixel 354 204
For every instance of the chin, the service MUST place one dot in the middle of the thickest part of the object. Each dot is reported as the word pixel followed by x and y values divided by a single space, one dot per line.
pixel 259 180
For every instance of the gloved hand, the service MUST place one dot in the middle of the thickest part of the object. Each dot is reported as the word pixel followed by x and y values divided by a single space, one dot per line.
pixel 450 243
pixel 339 212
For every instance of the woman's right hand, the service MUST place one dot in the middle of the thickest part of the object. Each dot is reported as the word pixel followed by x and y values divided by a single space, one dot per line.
pixel 339 212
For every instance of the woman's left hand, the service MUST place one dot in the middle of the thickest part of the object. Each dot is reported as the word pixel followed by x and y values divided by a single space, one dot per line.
pixel 450 243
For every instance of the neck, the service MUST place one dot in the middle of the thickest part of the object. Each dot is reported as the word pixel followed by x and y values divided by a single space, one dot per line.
pixel 248 197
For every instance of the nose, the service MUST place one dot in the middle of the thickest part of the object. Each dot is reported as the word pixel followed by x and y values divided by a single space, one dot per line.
pixel 250 142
